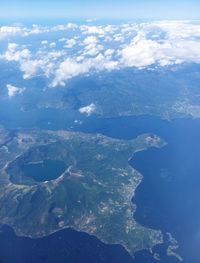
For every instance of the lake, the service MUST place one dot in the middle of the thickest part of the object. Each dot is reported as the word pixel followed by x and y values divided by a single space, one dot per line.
pixel 45 170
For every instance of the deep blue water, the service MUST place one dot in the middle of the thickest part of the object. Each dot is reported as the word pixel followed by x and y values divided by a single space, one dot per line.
pixel 46 170
pixel 169 196
pixel 167 199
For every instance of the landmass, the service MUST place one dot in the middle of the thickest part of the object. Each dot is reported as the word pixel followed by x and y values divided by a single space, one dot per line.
pixel 93 194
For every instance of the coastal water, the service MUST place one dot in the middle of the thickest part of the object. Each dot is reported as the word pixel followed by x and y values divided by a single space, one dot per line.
pixel 169 195
pixel 167 199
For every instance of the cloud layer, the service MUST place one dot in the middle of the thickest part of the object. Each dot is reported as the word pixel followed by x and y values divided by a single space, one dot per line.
pixel 76 50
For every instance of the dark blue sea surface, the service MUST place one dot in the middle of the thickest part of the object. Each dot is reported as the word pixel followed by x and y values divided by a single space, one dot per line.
pixel 167 199
pixel 169 196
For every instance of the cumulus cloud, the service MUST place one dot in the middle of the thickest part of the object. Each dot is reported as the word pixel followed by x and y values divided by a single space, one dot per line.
pixel 87 48
pixel 27 65
pixel 88 30
pixel 71 68
pixel 68 69
pixel 140 52
pixel 10 31
pixel 176 29
pixel 52 45
pixel 91 40
pixel 143 52
pixel 30 68
pixel 13 54
pixel 12 90
pixel 31 65
pixel 91 46
pixel 44 42
pixel 88 109
pixel 7 31
pixel 69 26
pixel 70 43
pixel 109 53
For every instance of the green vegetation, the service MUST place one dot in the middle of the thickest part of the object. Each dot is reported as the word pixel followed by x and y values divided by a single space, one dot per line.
pixel 93 194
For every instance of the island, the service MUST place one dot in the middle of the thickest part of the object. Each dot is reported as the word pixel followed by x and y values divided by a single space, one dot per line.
pixel 51 180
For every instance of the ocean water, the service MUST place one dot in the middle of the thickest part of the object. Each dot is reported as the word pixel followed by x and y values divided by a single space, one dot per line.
pixel 167 199
pixel 169 196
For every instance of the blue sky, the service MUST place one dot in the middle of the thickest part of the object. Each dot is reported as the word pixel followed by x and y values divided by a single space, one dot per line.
pixel 122 9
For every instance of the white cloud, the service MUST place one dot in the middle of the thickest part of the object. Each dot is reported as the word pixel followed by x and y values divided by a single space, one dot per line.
pixel 140 52
pixel 70 43
pixel 10 31
pixel 143 52
pixel 71 68
pixel 92 48
pixel 69 26
pixel 119 38
pixel 90 20
pixel 101 62
pixel 7 31
pixel 12 47
pixel 43 63
pixel 99 30
pixel 63 39
pixel 91 40
pixel 109 52
pixel 176 29
pixel 44 42
pixel 103 48
pixel 52 45
pixel 68 69
pixel 12 90
pixel 30 67
pixel 88 109
pixel 13 54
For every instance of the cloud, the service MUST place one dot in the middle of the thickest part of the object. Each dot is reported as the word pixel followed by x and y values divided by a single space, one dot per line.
pixel 89 48
pixel 52 45
pixel 27 65
pixel 109 53
pixel 88 109
pixel 12 90
pixel 69 26
pixel 140 52
pixel 13 54
pixel 35 30
pixel 71 68
pixel 44 42
pixel 7 31
pixel 70 43
pixel 102 63
pixel 31 68
pixel 172 49
pixel 91 40
pixel 88 30
pixel 119 38
pixel 41 63
pixel 11 31
pixel 91 20
pixel 68 69
pixel 176 29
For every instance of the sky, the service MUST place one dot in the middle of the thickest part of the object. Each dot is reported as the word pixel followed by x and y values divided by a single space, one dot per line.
pixel 100 9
